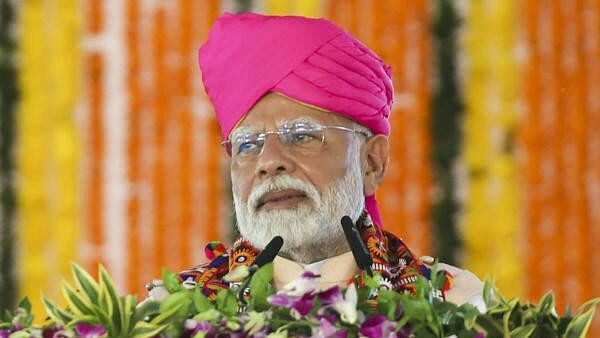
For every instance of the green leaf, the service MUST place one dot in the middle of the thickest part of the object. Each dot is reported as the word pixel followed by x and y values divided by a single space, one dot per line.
pixel 469 314
pixel 261 287
pixel 146 310
pixel 171 281
pixel 166 315
pixel 107 288
pixel 83 319
pixel 579 326
pixel 200 301
pixel 523 331
pixel 227 302
pixel 58 315
pixel 78 303
pixel 592 303
pixel 128 312
pixel 488 293
pixel 25 304
pixel 85 282
pixel 490 325
pixel 256 321
pixel 414 307
pixel 175 300
pixel 104 318
pixel 211 315
pixel 147 330
pixel 547 304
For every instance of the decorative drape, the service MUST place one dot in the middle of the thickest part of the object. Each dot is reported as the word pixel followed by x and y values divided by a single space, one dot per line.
pixel 561 148
pixel 48 144
pixel 491 210
pixel 155 191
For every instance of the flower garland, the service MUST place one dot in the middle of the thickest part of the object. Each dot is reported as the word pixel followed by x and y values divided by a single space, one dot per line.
pixel 94 65
pixel 172 150
pixel 560 142
pixel 590 30
pixel 8 99
pixel 308 8
pixel 48 148
pixel 447 110
pixel 299 309
pixel 491 215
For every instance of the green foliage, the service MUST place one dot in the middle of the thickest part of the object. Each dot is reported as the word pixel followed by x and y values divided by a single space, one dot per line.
pixel 98 303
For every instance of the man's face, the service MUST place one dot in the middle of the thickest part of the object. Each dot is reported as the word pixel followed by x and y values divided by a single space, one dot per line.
pixel 299 195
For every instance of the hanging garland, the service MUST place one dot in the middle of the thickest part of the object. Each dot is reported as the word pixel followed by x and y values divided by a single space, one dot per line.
pixel 8 99
pixel 491 210
pixel 48 145
pixel 447 112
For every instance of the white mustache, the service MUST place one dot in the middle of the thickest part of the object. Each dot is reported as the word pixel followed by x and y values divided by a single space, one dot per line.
pixel 278 183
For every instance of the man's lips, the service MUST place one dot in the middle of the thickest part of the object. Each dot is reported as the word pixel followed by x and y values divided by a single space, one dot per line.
pixel 282 198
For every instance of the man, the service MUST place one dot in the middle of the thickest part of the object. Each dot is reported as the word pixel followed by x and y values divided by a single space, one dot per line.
pixel 303 109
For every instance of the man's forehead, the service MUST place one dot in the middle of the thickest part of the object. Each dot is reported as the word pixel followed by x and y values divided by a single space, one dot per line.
pixel 275 110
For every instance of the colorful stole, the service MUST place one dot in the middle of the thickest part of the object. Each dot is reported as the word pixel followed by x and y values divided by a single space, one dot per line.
pixel 391 258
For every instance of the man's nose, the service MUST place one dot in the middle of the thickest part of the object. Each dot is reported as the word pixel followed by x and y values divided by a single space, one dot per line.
pixel 275 158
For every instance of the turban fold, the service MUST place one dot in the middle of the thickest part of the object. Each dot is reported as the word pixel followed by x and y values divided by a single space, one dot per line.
pixel 309 60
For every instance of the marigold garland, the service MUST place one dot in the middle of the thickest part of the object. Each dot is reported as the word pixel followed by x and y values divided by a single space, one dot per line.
pixel 491 219
pixel 48 149
pixel 560 144
pixel 309 8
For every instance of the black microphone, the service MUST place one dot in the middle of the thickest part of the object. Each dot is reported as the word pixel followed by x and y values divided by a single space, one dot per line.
pixel 266 256
pixel 269 253
pixel 361 255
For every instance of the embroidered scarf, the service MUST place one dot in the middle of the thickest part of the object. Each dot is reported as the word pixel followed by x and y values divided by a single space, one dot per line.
pixel 392 259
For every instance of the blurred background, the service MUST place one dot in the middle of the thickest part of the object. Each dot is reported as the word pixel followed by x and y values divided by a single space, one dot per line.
pixel 109 151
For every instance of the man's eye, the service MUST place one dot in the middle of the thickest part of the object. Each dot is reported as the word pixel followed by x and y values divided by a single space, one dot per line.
pixel 247 148
pixel 303 137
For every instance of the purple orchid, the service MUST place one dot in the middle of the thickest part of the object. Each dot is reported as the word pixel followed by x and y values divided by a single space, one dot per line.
pixel 301 305
pixel 4 333
pixel 327 330
pixel 192 327
pixel 87 330
pixel 302 285
pixel 378 326
pixel 344 305
pixel 54 332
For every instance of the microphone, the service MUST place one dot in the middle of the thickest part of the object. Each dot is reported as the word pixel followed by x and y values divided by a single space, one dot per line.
pixel 266 256
pixel 361 255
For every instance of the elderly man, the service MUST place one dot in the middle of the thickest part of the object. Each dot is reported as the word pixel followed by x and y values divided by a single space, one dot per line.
pixel 303 109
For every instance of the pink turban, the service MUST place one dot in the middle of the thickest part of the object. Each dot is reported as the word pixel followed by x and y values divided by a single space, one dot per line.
pixel 309 60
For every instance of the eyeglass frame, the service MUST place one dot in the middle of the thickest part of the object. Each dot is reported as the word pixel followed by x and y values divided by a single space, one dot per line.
pixel 262 136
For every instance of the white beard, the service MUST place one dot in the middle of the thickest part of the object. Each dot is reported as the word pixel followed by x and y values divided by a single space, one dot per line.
pixel 311 231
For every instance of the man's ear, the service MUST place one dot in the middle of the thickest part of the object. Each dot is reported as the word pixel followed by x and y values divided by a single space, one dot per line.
pixel 375 156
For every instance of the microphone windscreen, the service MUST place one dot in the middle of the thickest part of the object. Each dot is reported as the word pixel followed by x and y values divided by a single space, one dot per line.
pixel 270 251
pixel 359 250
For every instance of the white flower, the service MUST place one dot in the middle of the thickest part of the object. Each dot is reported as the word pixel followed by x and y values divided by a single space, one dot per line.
pixel 346 307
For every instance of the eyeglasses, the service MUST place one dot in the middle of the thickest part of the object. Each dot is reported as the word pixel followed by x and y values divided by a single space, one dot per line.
pixel 299 137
